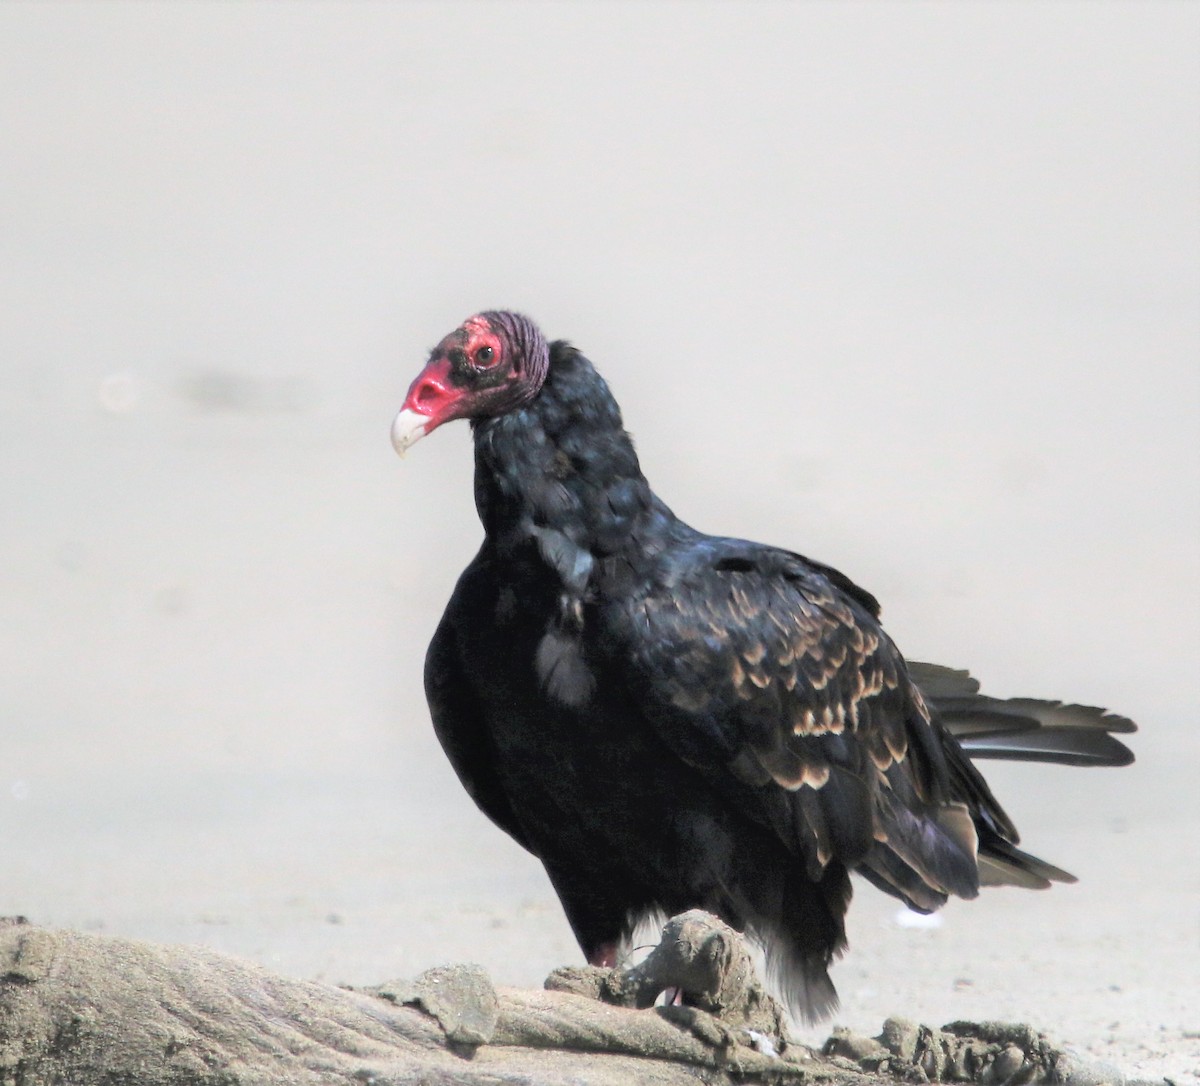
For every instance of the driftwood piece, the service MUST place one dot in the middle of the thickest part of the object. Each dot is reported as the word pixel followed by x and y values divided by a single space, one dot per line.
pixel 86 1009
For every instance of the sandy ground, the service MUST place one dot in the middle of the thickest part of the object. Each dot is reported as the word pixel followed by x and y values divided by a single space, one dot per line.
pixel 361 878
pixel 911 289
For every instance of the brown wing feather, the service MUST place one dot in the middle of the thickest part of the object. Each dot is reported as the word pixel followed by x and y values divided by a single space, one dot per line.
pixel 766 670
pixel 776 681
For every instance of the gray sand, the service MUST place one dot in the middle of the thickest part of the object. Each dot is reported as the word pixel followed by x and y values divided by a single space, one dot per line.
pixel 911 289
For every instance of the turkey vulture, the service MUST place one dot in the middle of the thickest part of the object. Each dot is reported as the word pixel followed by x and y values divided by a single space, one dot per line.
pixel 672 720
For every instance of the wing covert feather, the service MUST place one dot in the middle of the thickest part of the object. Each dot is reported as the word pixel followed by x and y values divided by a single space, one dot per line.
pixel 753 663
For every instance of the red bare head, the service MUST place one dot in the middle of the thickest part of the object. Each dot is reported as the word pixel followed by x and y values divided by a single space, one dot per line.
pixel 492 363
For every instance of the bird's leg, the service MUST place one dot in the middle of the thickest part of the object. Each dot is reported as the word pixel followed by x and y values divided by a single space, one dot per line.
pixel 604 956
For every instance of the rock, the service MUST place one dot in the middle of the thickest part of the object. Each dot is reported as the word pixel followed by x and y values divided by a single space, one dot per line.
pixel 899 1037
pixel 706 962
pixel 1073 1069
pixel 28 954
pixel 1007 1063
pixel 589 981
pixel 462 999
pixel 854 1046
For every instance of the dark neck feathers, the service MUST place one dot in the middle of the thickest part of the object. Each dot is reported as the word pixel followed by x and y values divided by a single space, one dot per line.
pixel 561 465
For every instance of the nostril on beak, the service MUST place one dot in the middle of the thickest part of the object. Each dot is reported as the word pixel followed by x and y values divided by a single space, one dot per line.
pixel 427 394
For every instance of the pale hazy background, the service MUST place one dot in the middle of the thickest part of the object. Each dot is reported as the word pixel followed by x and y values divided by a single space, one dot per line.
pixel 911 288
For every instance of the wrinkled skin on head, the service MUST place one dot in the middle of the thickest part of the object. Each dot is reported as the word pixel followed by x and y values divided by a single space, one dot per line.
pixel 490 364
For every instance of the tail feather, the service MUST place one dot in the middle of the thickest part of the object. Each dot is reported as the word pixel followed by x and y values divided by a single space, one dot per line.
pixel 1003 864
pixel 914 866
pixel 887 872
pixel 935 844
pixel 939 682
pixel 1062 746
pixel 1021 729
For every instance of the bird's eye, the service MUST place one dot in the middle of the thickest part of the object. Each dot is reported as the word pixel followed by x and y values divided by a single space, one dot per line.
pixel 484 356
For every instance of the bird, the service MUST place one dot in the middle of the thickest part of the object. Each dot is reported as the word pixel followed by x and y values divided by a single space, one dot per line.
pixel 671 720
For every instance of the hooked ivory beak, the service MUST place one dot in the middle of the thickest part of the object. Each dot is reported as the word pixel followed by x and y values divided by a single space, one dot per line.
pixel 407 429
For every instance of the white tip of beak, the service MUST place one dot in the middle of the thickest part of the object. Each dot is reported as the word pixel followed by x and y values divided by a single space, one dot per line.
pixel 407 429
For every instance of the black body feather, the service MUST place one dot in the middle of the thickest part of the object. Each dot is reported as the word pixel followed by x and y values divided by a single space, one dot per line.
pixel 670 720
